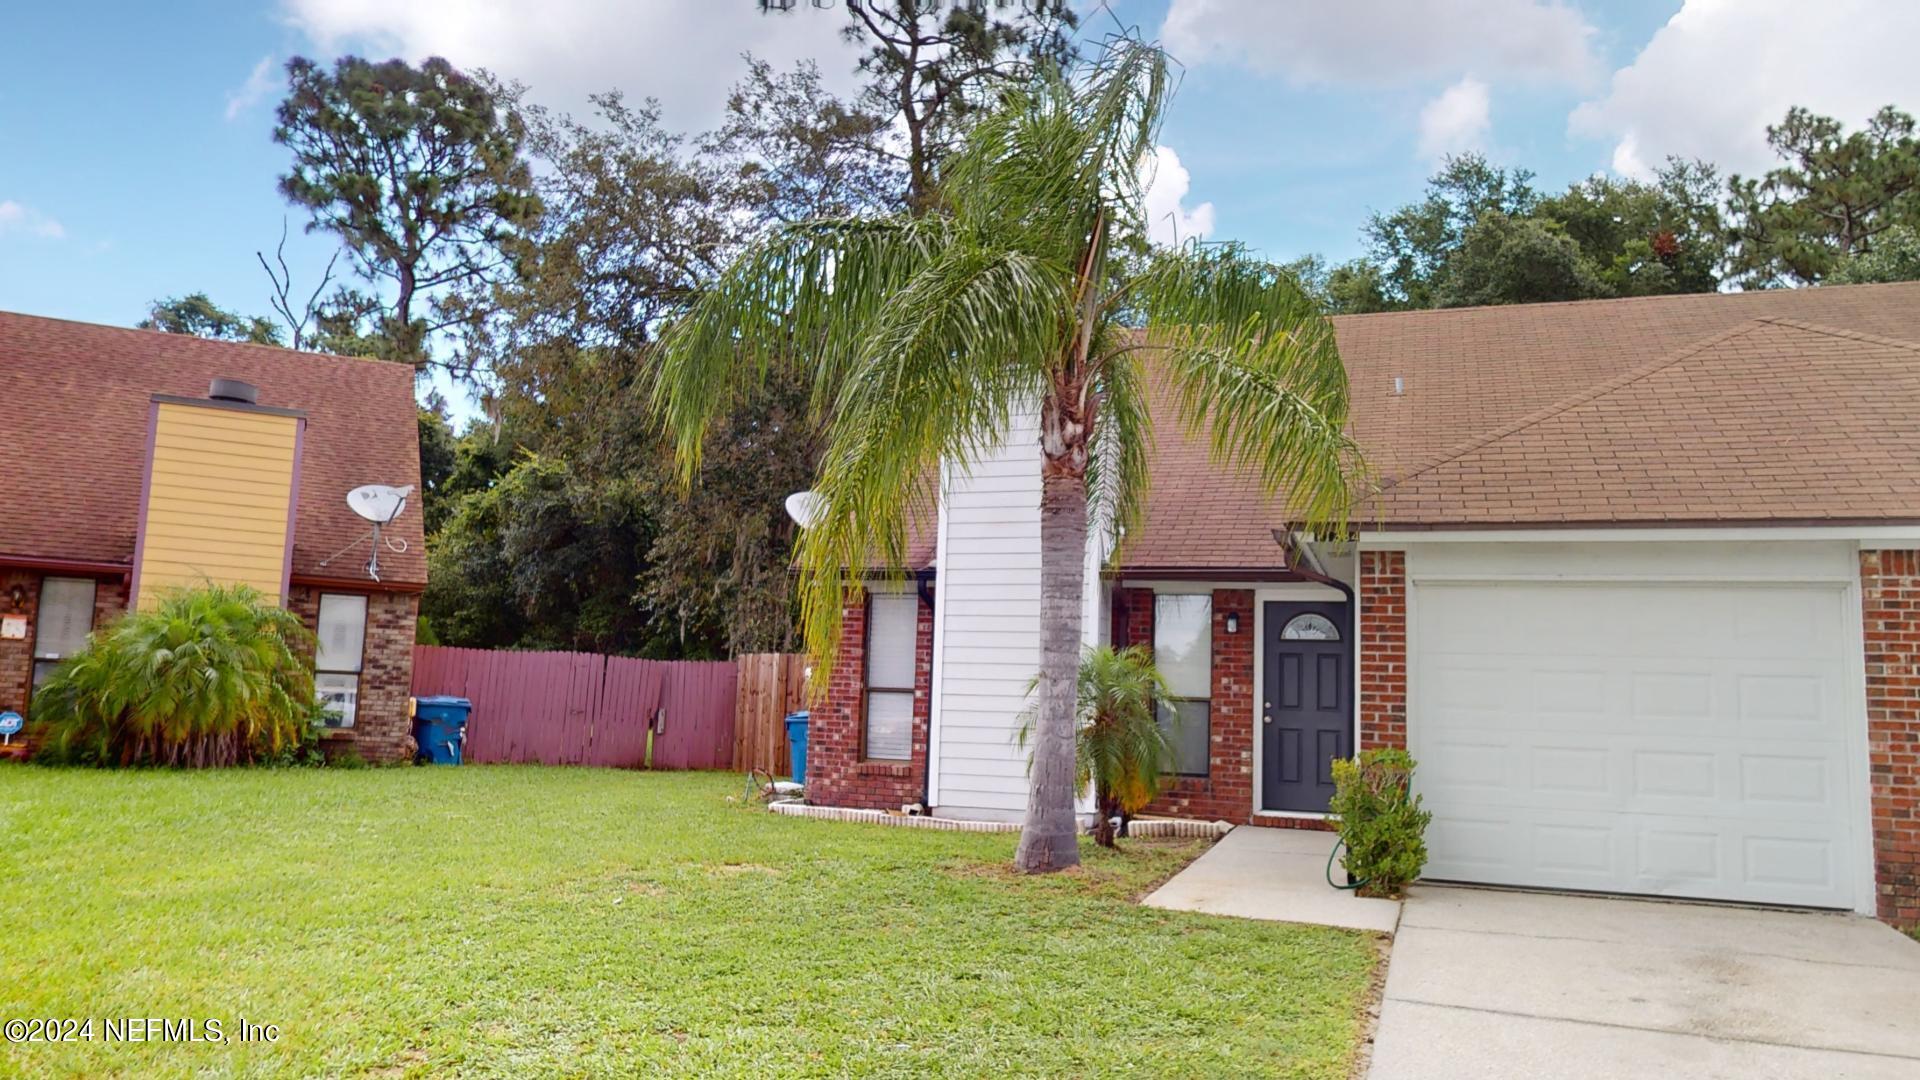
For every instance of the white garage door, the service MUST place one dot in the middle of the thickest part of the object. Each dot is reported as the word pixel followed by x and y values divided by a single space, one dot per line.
pixel 1680 740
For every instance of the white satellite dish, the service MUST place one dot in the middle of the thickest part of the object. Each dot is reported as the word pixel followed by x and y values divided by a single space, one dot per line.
pixel 804 508
pixel 379 503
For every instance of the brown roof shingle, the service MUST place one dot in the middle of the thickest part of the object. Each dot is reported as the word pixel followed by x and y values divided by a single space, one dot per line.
pixel 73 452
pixel 1786 405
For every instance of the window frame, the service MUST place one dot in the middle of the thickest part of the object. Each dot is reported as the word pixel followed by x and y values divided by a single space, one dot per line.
pixel 40 667
pixel 366 617
pixel 1173 700
pixel 868 687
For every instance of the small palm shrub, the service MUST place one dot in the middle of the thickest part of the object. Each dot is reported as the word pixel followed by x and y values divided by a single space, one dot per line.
pixel 216 675
pixel 1380 820
pixel 1122 751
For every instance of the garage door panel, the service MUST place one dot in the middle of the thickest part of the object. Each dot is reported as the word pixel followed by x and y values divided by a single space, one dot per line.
pixel 1667 739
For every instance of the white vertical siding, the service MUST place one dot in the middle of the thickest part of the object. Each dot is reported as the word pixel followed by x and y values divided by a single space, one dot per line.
pixel 987 620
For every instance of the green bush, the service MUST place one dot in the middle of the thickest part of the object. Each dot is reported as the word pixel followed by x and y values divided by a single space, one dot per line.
pixel 216 675
pixel 1380 820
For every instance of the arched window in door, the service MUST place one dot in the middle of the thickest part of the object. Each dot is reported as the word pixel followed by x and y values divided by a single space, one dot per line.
pixel 1310 627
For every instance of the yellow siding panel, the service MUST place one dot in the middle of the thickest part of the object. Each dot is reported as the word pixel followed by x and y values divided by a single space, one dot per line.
pixel 218 496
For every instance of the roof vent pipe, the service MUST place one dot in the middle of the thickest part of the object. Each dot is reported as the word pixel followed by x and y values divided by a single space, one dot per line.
pixel 233 390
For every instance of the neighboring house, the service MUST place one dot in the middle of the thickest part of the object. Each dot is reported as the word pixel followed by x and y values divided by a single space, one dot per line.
pixel 120 476
pixel 1641 594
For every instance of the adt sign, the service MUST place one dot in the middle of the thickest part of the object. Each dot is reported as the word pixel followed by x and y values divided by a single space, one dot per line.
pixel 10 722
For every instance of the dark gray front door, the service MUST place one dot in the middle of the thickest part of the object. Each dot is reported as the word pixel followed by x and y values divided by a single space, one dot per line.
pixel 1304 716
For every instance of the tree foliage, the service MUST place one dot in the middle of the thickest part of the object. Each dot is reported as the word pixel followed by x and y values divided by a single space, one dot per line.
pixel 932 66
pixel 418 171
pixel 1123 752
pixel 217 675
pixel 1830 201
pixel 197 315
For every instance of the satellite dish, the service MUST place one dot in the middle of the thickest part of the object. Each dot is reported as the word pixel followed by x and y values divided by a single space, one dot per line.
pixel 804 508
pixel 379 503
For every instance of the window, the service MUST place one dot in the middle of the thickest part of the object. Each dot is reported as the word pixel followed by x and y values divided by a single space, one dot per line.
pixel 338 657
pixel 66 616
pixel 892 620
pixel 1183 651
pixel 1310 627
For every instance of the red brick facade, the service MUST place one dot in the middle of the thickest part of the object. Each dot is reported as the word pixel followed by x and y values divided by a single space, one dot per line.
pixel 1890 610
pixel 382 730
pixel 1382 708
pixel 838 773
pixel 1226 792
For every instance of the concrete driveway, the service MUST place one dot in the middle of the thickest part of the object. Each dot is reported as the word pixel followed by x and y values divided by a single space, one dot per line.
pixel 1484 983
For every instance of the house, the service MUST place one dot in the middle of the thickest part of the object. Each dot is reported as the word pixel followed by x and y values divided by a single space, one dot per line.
pixel 1640 591
pixel 121 473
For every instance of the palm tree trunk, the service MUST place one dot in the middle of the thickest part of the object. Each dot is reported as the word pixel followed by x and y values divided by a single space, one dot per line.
pixel 1049 837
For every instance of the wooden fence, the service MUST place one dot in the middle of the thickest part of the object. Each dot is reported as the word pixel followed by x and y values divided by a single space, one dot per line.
pixel 567 708
pixel 771 686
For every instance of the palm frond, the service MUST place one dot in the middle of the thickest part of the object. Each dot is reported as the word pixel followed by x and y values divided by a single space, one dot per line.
pixel 1253 361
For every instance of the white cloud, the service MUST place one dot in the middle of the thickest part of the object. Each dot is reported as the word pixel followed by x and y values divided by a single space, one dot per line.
pixel 1712 79
pixel 260 82
pixel 1456 121
pixel 1167 182
pixel 1387 42
pixel 685 54
pixel 15 217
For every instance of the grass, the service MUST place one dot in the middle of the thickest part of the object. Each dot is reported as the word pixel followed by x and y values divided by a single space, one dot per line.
pixel 522 921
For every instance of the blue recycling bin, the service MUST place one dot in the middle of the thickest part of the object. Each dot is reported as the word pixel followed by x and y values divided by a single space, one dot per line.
pixel 440 728
pixel 797 744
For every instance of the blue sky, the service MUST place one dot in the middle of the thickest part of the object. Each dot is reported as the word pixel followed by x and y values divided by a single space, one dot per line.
pixel 136 160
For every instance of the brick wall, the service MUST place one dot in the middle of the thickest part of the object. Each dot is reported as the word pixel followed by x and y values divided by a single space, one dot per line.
pixel 837 775
pixel 1383 649
pixel 381 729
pixel 1226 792
pixel 1890 610
pixel 16 656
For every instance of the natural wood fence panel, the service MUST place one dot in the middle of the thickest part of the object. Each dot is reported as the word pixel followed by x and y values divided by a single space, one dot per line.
pixel 569 708
pixel 771 686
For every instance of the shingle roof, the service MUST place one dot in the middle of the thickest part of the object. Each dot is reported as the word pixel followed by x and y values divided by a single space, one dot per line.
pixel 73 452
pixel 1785 405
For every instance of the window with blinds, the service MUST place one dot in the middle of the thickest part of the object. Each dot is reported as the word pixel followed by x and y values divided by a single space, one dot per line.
pixel 891 634
pixel 1183 651
pixel 65 620
pixel 339 655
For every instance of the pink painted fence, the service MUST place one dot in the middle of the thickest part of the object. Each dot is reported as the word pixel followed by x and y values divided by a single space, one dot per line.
pixel 567 708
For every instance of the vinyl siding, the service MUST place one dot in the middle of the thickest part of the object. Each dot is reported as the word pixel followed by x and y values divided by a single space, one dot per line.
pixel 218 499
pixel 988 604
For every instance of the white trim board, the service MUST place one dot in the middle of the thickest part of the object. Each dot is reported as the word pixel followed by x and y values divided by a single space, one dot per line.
pixel 1283 593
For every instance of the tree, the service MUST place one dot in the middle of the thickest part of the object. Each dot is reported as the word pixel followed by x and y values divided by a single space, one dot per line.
pixel 922 338
pixel 933 65
pixel 218 675
pixel 1895 257
pixel 1646 239
pixel 1122 751
pixel 299 319
pixel 1509 260
pixel 1411 246
pixel 790 150
pixel 417 170
pixel 196 314
pixel 1834 197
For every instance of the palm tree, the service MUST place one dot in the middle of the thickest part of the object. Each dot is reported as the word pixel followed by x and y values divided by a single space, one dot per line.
pixel 924 336
pixel 1122 750
pixel 214 675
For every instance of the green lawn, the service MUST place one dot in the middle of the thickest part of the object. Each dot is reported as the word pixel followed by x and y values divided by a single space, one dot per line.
pixel 519 921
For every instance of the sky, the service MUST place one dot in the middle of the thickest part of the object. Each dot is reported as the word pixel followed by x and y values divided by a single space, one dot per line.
pixel 136 157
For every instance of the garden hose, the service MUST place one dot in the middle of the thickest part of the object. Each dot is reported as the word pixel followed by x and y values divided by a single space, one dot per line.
pixel 1334 854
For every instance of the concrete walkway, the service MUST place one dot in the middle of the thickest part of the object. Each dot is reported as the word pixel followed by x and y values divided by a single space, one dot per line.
pixel 1274 874
pixel 1484 983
